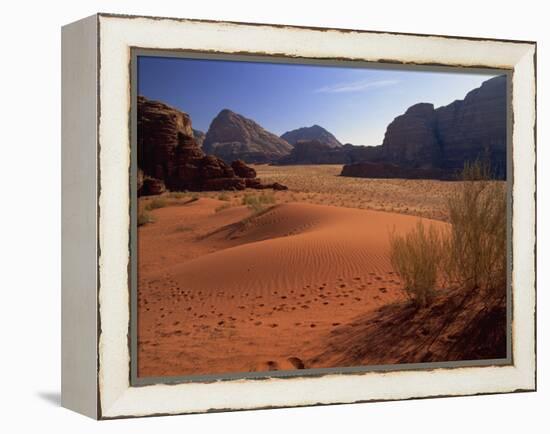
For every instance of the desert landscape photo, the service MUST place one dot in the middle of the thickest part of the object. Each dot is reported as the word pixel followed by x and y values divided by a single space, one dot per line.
pixel 294 217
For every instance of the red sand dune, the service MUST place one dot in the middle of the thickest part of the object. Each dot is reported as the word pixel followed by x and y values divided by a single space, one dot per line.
pixel 228 292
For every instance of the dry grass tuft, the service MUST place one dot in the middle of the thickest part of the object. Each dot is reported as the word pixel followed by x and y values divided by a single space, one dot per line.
pixel 258 203
pixel 156 204
pixel 144 218
pixel 416 258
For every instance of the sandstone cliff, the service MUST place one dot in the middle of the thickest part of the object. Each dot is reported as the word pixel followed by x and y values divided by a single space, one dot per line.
pixel 169 156
pixel 445 138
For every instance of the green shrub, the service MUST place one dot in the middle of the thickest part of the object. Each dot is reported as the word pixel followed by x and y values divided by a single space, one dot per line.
pixel 416 258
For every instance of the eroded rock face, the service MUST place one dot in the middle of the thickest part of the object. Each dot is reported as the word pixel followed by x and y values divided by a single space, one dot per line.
pixel 168 154
pixel 446 137
pixel 314 132
pixel 476 126
pixel 234 137
pixel 411 139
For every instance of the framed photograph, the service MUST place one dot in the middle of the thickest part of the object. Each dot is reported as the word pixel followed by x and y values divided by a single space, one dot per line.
pixel 262 216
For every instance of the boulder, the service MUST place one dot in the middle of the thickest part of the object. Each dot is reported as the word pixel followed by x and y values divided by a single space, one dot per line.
pixel 241 169
pixel 151 186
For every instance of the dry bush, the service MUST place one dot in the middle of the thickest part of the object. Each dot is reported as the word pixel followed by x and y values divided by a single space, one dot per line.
pixel 223 196
pixel 476 245
pixel 416 258
pixel 470 254
pixel 144 218
pixel 258 203
pixel 156 204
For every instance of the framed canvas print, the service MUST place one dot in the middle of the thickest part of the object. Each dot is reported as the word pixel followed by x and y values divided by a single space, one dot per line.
pixel 261 216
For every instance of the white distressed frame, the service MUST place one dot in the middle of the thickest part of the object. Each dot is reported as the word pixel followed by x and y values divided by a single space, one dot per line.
pixel 116 35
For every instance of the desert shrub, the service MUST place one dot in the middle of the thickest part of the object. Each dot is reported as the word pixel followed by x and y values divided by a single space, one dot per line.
pixel 144 218
pixel 476 245
pixel 223 196
pixel 177 195
pixel 415 257
pixel 156 204
pixel 258 203
pixel 222 207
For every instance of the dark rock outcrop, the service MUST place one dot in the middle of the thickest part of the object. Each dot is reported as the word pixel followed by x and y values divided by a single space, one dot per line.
pixel 169 156
pixel 411 139
pixel 446 137
pixel 314 132
pixel 150 187
pixel 387 170
pixel 234 137
pixel 242 170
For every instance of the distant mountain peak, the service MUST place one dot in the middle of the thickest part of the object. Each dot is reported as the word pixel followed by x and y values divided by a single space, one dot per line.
pixel 232 136
pixel 315 132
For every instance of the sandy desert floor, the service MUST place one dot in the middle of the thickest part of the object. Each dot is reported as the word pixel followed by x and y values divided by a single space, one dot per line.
pixel 322 185
pixel 228 289
pixel 254 281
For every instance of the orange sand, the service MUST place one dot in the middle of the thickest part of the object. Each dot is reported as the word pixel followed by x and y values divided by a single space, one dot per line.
pixel 226 291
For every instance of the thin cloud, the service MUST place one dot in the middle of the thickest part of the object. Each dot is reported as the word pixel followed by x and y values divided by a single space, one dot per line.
pixel 356 86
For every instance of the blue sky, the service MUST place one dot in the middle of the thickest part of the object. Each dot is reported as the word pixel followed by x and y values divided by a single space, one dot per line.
pixel 355 104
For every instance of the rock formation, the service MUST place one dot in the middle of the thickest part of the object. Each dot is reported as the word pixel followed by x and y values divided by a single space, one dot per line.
pixel 315 152
pixel 446 137
pixel 242 170
pixel 199 136
pixel 411 139
pixel 314 132
pixel 387 170
pixel 232 137
pixel 168 155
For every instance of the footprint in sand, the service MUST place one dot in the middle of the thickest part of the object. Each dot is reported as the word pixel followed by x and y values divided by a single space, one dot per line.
pixel 297 362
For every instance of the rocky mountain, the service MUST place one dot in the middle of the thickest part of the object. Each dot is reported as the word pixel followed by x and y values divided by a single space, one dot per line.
pixel 232 136
pixel 170 157
pixel 444 138
pixel 199 136
pixel 314 132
